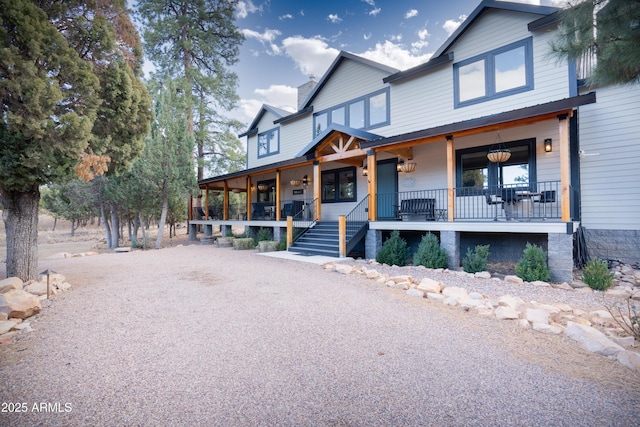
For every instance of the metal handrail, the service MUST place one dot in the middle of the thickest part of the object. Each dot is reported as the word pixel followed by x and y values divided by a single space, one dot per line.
pixel 305 219
pixel 357 218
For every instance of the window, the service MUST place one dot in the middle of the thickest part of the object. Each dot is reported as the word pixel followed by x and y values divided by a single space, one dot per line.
pixel 269 143
pixel 339 185
pixel 475 173
pixel 269 193
pixel 366 112
pixel 495 74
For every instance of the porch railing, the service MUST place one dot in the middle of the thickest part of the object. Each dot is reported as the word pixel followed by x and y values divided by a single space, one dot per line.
pixel 304 219
pixel 538 201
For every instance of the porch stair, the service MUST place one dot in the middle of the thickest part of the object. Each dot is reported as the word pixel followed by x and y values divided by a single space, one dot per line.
pixel 322 239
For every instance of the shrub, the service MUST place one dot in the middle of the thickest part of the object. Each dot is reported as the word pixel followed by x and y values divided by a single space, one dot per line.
pixel 282 244
pixel 627 316
pixel 429 253
pixel 242 243
pixel 533 264
pixel 476 260
pixel 264 234
pixel 596 274
pixel 394 251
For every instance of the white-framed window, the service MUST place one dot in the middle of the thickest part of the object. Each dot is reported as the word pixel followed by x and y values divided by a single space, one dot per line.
pixel 500 72
pixel 269 143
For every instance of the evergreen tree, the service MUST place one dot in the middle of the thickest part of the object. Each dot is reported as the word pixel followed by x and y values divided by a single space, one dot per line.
pixel 608 31
pixel 49 105
pixel 196 41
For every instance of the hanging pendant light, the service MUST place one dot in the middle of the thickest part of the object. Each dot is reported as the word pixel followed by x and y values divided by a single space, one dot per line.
pixel 498 153
pixel 263 187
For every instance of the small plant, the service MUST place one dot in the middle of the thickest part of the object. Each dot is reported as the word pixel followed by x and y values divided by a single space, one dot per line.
pixel 244 243
pixel 627 316
pixel 429 253
pixel 533 264
pixel 282 244
pixel 394 251
pixel 596 274
pixel 264 234
pixel 229 234
pixel 476 260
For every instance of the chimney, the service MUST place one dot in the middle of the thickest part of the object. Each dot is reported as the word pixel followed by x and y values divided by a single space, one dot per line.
pixel 305 90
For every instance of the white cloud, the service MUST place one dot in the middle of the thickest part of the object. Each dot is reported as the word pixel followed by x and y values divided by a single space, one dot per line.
pixel 287 16
pixel 375 12
pixel 244 8
pixel 370 2
pixel 411 14
pixel 311 56
pixel 396 37
pixel 266 38
pixel 451 25
pixel 394 55
pixel 280 96
pixel 367 36
pixel 334 18
pixel 422 34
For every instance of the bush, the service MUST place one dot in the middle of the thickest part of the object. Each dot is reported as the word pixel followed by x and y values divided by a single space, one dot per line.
pixel 476 260
pixel 394 251
pixel 264 234
pixel 282 244
pixel 533 264
pixel 243 243
pixel 596 274
pixel 429 253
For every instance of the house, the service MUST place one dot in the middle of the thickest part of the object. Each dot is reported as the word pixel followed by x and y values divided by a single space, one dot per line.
pixel 492 141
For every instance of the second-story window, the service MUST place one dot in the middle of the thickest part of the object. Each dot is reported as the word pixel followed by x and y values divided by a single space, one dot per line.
pixel 501 72
pixel 269 143
pixel 367 112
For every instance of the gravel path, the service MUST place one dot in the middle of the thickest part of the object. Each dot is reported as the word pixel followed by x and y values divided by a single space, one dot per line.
pixel 200 335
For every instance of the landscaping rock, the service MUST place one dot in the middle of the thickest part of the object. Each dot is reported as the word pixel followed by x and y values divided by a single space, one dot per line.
pixel 537 315
pixel 546 328
pixel 430 285
pixel 513 279
pixel 540 284
pixel 456 293
pixel 39 288
pixel 435 297
pixel 506 313
pixel 482 275
pixel 510 301
pixel 413 292
pixel 630 359
pixel 592 339
pixel 10 283
pixel 21 304
pixel 6 326
pixel 344 268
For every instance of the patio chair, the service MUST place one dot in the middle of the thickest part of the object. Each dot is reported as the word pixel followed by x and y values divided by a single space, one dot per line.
pixel 258 210
pixel 509 200
pixel 495 200
pixel 547 196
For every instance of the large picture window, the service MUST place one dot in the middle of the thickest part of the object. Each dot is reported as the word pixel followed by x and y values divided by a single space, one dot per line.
pixel 495 74
pixel 269 143
pixel 475 173
pixel 339 185
pixel 366 112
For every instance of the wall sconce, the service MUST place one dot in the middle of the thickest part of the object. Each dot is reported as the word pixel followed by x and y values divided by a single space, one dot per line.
pixel 547 145
pixel 365 172
pixel 305 180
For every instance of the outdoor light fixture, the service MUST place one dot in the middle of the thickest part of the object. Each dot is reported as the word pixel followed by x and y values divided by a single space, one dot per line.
pixel 305 180
pixel 263 187
pixel 236 190
pixel 405 167
pixel 48 272
pixel 498 153
pixel 547 145
pixel 365 171
pixel 295 182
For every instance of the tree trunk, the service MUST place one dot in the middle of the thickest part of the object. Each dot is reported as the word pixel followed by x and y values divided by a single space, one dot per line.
pixel 73 227
pixel 136 224
pixel 21 225
pixel 55 222
pixel 105 221
pixel 115 226
pixel 163 219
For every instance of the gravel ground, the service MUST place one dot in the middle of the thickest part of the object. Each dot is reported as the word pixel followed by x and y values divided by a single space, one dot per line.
pixel 200 335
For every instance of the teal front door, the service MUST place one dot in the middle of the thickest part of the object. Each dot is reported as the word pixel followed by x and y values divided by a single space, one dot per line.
pixel 387 190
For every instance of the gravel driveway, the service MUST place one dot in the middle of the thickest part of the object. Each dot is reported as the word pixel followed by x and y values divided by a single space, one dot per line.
pixel 200 335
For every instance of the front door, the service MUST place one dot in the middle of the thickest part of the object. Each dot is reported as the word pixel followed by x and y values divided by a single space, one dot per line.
pixel 387 191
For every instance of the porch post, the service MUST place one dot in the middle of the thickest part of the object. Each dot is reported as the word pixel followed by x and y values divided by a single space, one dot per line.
pixel 277 201
pixel 450 179
pixel 342 236
pixel 249 196
pixel 225 202
pixel 317 189
pixel 565 177
pixel 289 231
pixel 372 184
pixel 206 202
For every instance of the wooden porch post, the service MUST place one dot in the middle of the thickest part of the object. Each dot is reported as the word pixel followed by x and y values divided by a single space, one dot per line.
pixel 225 202
pixel 278 181
pixel 372 184
pixel 565 174
pixel 206 202
pixel 317 189
pixel 249 196
pixel 451 170
pixel 342 236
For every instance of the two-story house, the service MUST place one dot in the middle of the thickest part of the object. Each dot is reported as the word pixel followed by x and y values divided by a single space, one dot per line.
pixel 492 141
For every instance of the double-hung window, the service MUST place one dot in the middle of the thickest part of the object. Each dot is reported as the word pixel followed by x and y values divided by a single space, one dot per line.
pixel 367 112
pixel 500 72
pixel 339 185
pixel 269 143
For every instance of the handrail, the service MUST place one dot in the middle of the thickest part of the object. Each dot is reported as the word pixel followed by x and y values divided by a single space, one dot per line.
pixel 357 217
pixel 305 219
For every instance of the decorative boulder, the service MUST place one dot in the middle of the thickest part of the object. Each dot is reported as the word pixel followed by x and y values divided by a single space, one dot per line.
pixel 21 304
pixel 10 283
